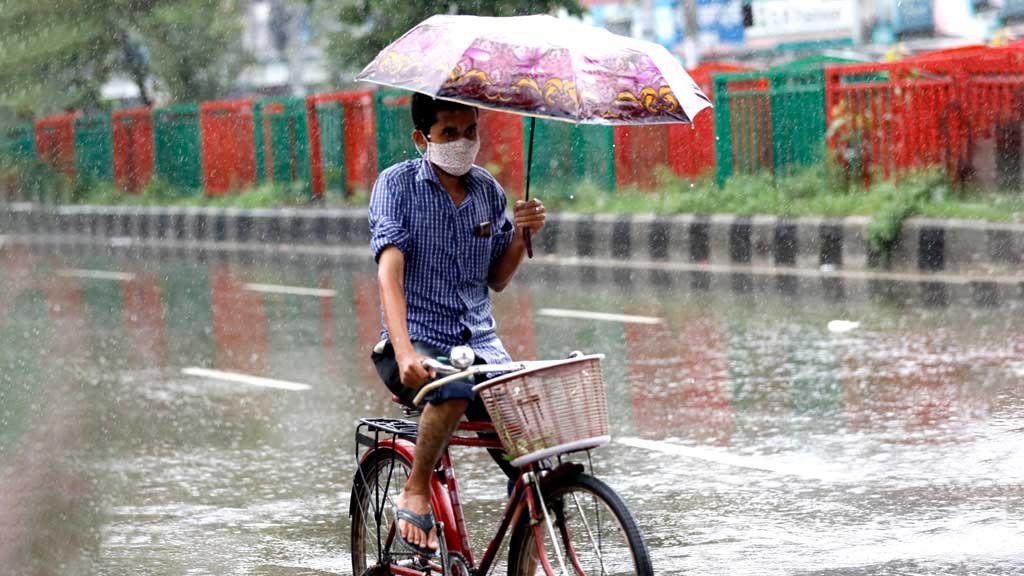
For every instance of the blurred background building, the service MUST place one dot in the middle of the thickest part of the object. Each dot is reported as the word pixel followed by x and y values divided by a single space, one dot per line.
pixel 287 40
pixel 773 30
pixel 286 46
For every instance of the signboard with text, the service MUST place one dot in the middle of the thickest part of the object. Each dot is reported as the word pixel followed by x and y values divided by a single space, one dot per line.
pixel 788 20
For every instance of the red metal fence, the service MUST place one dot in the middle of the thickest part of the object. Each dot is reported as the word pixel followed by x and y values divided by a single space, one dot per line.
pixel 887 117
pixel 691 148
pixel 501 149
pixel 55 142
pixel 639 150
pixel 229 156
pixel 932 110
pixel 687 149
pixel 133 148
pixel 343 139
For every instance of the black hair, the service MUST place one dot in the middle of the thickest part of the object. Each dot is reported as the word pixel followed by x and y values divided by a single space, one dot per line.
pixel 425 109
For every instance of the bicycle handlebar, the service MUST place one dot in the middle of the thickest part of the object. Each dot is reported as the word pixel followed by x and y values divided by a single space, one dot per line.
pixel 453 374
pixel 460 374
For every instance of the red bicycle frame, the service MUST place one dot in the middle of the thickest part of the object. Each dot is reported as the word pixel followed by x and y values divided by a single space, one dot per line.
pixel 447 503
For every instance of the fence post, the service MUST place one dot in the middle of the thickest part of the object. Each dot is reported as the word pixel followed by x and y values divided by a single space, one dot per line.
pixel 956 126
pixel 315 161
pixel 723 132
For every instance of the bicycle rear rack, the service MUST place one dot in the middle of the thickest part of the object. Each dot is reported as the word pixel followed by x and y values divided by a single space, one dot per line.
pixel 369 430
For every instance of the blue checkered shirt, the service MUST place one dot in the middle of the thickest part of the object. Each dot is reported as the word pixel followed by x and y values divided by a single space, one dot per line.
pixel 447 259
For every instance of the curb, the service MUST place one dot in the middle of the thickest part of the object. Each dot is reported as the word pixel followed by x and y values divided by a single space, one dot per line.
pixel 958 247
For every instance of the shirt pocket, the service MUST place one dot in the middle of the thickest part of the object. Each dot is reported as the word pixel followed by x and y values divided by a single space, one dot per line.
pixel 479 251
pixel 478 244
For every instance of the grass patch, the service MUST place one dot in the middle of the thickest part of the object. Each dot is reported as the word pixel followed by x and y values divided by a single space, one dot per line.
pixel 819 190
pixel 33 181
pixel 814 191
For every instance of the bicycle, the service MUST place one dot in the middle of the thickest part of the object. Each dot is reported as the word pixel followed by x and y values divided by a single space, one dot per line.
pixel 560 517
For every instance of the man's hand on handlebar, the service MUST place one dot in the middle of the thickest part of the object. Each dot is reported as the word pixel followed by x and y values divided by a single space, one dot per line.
pixel 413 370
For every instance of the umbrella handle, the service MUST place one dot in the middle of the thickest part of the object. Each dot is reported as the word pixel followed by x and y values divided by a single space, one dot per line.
pixel 529 164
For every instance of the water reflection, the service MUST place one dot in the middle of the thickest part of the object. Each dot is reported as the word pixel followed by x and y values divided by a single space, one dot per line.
pixel 746 428
pixel 679 376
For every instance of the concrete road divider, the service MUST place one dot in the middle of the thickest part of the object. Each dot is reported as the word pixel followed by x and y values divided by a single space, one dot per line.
pixel 958 247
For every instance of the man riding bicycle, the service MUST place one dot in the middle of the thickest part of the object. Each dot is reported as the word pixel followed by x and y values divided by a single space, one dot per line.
pixel 442 240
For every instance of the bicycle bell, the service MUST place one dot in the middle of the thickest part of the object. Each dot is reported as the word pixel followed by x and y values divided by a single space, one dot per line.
pixel 462 357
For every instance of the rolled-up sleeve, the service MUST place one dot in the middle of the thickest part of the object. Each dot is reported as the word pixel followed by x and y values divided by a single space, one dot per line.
pixel 505 229
pixel 388 217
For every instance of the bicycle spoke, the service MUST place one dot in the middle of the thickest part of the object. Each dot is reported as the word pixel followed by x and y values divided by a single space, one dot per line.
pixel 551 531
pixel 596 534
pixel 590 534
pixel 373 515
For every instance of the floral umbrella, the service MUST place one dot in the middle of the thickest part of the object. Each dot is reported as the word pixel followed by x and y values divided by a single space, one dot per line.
pixel 540 66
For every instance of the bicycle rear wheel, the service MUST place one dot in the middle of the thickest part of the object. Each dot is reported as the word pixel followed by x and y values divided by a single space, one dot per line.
pixel 374 490
pixel 596 533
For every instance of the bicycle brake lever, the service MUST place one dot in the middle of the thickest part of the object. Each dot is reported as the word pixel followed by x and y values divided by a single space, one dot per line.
pixel 440 367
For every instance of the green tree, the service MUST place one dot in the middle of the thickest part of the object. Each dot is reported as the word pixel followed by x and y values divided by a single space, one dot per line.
pixel 367 26
pixel 195 48
pixel 56 54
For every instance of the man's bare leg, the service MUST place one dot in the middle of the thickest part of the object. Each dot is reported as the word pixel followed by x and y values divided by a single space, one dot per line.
pixel 436 426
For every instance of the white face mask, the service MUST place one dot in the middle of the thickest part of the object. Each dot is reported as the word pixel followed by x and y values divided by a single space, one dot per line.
pixel 455 158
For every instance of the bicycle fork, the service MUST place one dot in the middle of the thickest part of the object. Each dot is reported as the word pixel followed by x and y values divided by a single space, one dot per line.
pixel 530 478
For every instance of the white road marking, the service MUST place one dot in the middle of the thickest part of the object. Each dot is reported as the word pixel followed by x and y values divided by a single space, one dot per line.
pixel 841 326
pixel 97 274
pixel 245 379
pixel 602 316
pixel 291 290
pixel 810 470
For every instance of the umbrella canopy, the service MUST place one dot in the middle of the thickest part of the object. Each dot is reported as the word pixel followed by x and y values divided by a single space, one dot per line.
pixel 540 66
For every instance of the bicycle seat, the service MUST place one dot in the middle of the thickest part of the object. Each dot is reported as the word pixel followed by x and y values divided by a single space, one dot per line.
pixel 409 410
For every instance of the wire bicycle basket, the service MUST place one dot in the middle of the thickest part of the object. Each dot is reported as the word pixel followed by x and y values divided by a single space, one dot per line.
pixel 549 410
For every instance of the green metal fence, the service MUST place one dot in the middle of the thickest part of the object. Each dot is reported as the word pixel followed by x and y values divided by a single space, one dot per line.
pixel 19 143
pixel 177 146
pixel 774 119
pixel 331 117
pixel 281 138
pixel 394 128
pixel 94 148
pixel 566 154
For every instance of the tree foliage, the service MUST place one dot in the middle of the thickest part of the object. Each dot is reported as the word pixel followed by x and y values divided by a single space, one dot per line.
pixel 195 48
pixel 370 25
pixel 57 54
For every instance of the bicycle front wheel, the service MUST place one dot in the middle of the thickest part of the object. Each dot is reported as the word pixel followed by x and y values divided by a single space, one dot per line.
pixel 595 534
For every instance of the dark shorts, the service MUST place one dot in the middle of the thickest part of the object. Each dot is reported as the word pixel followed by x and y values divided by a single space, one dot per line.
pixel 387 369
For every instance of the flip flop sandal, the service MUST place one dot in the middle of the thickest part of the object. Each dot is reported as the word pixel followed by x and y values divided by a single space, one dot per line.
pixel 424 522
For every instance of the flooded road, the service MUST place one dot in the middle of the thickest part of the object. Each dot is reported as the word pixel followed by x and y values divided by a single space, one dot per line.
pixel 753 434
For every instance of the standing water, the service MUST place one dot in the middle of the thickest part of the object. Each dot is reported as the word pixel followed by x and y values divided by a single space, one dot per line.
pixel 173 415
